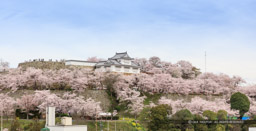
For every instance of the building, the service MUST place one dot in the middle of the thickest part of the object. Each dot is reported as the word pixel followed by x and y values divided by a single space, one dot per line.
pixel 87 64
pixel 66 122
pixel 120 63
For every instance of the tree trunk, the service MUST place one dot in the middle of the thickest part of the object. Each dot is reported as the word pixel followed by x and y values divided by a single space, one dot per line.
pixel 27 115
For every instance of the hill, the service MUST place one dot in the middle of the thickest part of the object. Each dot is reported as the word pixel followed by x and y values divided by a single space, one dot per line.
pixel 43 65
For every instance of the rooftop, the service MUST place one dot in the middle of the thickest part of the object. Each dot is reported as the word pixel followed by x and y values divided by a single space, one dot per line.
pixel 122 55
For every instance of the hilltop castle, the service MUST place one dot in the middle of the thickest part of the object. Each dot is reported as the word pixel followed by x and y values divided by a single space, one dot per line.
pixel 120 63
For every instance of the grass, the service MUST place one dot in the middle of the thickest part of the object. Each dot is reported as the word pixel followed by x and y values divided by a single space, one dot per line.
pixel 105 125
pixel 119 125
pixel 23 123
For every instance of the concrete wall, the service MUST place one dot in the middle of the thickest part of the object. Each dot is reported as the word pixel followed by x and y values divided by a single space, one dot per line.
pixel 80 63
pixel 50 116
pixel 68 128
pixel 252 128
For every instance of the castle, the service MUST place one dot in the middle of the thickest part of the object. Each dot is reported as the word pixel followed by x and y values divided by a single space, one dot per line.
pixel 120 63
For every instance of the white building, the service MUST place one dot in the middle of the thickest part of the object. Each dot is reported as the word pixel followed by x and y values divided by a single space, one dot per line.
pixel 66 122
pixel 120 63
pixel 80 63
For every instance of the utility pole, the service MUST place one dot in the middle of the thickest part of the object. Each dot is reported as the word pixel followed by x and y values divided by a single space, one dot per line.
pixel 205 63
pixel 108 125
pixel 1 120
pixel 204 73
pixel 96 117
pixel 115 125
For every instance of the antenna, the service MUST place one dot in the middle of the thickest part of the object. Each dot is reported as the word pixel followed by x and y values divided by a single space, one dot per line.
pixel 205 73
pixel 205 63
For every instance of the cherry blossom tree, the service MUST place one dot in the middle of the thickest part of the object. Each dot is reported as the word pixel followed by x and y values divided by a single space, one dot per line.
pixel 3 65
pixel 76 79
pixel 68 103
pixel 144 64
pixel 163 78
pixel 174 70
pixel 94 59
pixel 248 90
pixel 155 61
pixel 7 105
pixel 198 105
pixel 88 107
pixel 26 103
pixel 186 69
pixel 252 111
pixel 128 94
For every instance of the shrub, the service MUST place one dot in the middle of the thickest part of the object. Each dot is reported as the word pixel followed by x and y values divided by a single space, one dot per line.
pixel 222 115
pixel 183 115
pixel 15 126
pixel 210 115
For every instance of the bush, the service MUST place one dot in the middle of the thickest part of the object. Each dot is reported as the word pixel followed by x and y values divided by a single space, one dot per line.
pixel 34 126
pixel 254 117
pixel 22 115
pixel 198 117
pixel 15 126
pixel 61 115
pixel 137 126
pixel 222 115
pixel 109 118
pixel 200 127
pixel 220 127
pixel 183 115
pixel 210 115
pixel 144 114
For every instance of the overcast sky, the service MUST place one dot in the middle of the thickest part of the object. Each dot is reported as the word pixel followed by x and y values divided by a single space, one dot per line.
pixel 171 29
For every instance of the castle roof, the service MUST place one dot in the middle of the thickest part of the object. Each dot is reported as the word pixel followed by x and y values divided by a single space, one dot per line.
pixel 114 61
pixel 122 55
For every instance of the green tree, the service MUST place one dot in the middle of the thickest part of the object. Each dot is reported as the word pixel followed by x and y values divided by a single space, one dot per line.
pixel 210 115
pixel 183 115
pixel 222 115
pixel 144 114
pixel 240 102
pixel 108 82
pixel 159 117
